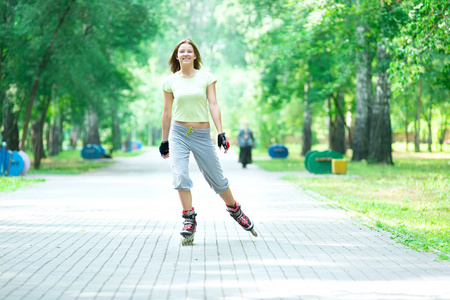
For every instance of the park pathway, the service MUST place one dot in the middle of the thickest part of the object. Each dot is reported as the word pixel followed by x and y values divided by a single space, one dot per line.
pixel 114 234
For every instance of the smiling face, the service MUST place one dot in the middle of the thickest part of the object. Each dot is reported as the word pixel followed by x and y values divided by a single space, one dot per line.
pixel 186 54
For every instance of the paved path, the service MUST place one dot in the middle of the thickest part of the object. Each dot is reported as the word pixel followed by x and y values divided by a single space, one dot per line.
pixel 114 234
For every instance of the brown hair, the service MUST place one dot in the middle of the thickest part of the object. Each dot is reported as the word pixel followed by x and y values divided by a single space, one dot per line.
pixel 175 64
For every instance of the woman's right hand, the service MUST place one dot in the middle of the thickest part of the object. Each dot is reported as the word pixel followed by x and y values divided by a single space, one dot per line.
pixel 164 149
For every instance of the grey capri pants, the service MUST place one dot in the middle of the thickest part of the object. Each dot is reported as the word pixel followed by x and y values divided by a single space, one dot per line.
pixel 183 140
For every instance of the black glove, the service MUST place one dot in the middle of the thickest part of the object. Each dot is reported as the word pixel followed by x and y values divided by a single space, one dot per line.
pixel 222 141
pixel 164 148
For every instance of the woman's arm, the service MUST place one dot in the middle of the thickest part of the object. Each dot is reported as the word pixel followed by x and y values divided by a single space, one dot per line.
pixel 214 107
pixel 166 116
pixel 215 114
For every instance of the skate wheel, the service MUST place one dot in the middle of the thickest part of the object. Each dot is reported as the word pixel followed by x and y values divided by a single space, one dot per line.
pixel 254 232
pixel 189 240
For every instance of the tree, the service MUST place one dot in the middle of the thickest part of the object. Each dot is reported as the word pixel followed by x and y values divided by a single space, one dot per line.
pixel 380 149
pixel 70 46
pixel 42 66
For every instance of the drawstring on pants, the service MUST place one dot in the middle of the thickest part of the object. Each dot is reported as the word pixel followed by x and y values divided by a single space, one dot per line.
pixel 189 131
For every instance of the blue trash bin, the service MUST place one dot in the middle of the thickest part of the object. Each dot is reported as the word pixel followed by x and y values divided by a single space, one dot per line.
pixel 278 151
pixel 92 151
pixel 136 145
pixel 3 164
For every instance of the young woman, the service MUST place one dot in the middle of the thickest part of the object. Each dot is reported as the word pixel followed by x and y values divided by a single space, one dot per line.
pixel 187 93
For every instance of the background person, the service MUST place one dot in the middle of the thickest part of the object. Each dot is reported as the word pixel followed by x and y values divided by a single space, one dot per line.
pixel 246 142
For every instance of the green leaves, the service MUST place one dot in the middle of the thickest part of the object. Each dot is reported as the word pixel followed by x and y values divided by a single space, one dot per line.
pixel 76 48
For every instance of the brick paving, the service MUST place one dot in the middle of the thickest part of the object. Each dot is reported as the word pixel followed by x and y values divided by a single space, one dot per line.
pixel 114 234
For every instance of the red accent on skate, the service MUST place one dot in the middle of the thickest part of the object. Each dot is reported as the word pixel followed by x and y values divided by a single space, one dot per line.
pixel 244 220
pixel 188 227
pixel 186 211
pixel 235 206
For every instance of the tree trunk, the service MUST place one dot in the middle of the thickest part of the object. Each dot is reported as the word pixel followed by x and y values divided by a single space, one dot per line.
pixel 37 143
pixel 150 134
pixel 443 131
pixel 307 134
pixel 116 138
pixel 92 135
pixel 55 138
pixel 380 147
pixel 364 96
pixel 330 121
pixel 42 66
pixel 157 134
pixel 74 138
pixel 10 132
pixel 417 121
pixel 337 133
pixel 430 137
pixel 406 125
pixel 37 136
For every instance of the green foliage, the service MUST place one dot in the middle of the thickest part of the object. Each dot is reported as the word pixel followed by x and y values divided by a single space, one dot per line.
pixel 297 44
pixel 79 57
pixel 270 58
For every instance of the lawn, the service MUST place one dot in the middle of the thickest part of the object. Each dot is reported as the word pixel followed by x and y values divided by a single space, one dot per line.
pixel 410 199
pixel 9 184
pixel 66 162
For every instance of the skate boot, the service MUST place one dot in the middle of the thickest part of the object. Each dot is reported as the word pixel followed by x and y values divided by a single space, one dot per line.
pixel 189 227
pixel 241 218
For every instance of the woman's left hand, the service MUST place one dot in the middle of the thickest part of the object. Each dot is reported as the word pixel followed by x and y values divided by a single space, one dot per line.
pixel 222 142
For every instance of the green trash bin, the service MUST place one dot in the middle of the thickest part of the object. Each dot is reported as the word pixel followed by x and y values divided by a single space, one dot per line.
pixel 307 156
pixel 320 162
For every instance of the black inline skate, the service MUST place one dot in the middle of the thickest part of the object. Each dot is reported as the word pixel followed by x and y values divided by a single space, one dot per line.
pixel 241 218
pixel 189 227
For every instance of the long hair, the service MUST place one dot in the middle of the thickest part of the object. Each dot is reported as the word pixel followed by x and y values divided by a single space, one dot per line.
pixel 174 64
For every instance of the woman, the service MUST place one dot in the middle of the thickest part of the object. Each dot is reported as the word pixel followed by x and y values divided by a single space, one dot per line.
pixel 246 141
pixel 187 93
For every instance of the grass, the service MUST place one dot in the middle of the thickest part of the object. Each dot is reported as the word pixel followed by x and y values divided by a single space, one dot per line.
pixel 68 162
pixel 410 199
pixel 10 184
